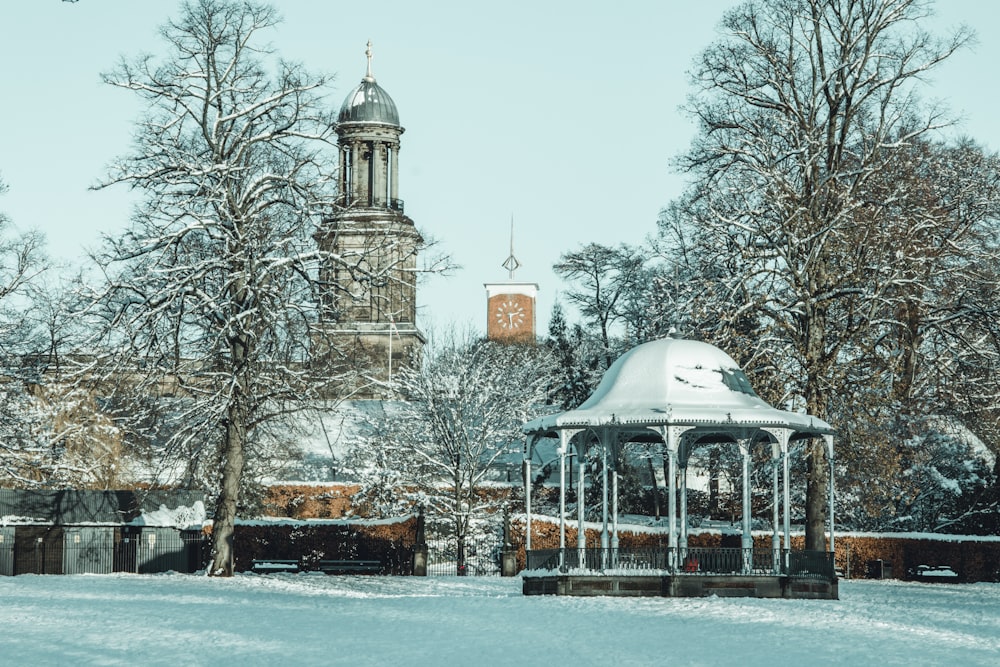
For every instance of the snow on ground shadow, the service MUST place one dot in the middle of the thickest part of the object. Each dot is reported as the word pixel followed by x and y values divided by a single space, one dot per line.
pixel 177 619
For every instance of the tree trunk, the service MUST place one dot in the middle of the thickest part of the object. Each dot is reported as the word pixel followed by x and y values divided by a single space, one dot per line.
pixel 225 510
pixel 233 459
pixel 656 487
pixel 817 480
pixel 908 345
pixel 461 517
pixel 666 477
pixel 460 556
pixel 817 468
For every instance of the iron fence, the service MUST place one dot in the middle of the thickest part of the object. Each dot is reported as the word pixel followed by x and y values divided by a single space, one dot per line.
pixel 82 552
pixel 689 561
pixel 481 555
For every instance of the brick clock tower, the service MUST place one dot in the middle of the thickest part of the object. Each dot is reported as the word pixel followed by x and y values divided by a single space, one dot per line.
pixel 510 306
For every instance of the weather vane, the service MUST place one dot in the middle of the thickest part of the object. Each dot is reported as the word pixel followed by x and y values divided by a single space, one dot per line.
pixel 511 263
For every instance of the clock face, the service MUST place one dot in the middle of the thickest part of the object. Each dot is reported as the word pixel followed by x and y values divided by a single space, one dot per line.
pixel 509 314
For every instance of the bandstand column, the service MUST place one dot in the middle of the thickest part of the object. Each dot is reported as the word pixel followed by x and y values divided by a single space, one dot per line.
pixel 828 439
pixel 684 512
pixel 562 499
pixel 775 530
pixel 614 518
pixel 780 498
pixel 605 544
pixel 747 541
pixel 672 501
pixel 786 501
pixel 527 498
pixel 581 531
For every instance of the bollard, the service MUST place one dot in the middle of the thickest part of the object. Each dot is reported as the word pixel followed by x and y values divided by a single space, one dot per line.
pixel 420 560
pixel 508 563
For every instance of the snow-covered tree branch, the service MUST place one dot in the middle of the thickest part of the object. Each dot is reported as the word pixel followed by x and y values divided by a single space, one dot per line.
pixel 460 424
pixel 210 296
pixel 801 105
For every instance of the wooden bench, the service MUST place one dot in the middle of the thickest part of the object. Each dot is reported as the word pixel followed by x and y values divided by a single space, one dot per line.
pixel 349 566
pixel 274 565
pixel 935 574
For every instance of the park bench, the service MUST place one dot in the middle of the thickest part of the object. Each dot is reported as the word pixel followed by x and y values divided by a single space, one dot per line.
pixel 935 574
pixel 349 566
pixel 274 565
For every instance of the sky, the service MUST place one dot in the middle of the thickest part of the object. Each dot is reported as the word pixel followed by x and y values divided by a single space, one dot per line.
pixel 305 620
pixel 559 115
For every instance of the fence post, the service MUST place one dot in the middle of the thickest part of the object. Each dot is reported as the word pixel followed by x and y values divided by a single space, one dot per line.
pixel 420 547
pixel 508 558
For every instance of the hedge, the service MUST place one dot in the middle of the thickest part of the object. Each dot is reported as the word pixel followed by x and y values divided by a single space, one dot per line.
pixel 392 543
pixel 309 501
pixel 972 558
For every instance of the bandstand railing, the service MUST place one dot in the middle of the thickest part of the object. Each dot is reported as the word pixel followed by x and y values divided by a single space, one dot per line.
pixel 688 561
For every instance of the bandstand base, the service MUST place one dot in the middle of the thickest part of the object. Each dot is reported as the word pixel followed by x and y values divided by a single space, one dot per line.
pixel 683 586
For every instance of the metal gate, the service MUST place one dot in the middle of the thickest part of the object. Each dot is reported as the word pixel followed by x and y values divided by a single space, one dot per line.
pixel 38 550
pixel 7 551
pixel 483 554
pixel 88 550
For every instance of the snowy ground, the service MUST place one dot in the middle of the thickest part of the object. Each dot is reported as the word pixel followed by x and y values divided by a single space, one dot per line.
pixel 319 620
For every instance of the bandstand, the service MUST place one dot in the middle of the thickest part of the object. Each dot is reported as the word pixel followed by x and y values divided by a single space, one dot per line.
pixel 678 395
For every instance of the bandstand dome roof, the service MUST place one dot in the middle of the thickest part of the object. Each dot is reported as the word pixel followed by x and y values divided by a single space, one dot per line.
pixel 676 382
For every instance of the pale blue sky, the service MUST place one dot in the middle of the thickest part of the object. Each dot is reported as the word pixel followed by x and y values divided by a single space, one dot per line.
pixel 563 114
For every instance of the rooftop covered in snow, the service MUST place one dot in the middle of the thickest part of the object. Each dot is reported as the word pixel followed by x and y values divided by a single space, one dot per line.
pixel 676 382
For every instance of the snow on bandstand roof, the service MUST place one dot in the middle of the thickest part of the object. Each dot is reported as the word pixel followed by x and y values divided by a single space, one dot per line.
pixel 676 382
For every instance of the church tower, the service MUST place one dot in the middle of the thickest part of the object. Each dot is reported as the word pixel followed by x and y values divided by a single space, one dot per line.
pixel 368 313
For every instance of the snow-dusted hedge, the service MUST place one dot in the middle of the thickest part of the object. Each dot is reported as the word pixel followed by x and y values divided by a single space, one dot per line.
pixel 389 541
pixel 972 558
pixel 310 501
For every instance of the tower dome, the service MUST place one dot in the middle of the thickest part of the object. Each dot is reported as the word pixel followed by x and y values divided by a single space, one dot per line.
pixel 368 102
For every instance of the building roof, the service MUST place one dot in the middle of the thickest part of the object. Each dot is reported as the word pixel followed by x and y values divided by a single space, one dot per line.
pixel 77 506
pixel 368 102
pixel 676 382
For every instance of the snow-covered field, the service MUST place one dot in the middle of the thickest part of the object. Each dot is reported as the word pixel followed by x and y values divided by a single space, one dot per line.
pixel 177 619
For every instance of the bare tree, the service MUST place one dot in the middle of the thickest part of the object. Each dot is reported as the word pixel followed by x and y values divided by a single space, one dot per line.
pixel 25 457
pixel 607 287
pixel 799 105
pixel 21 263
pixel 211 293
pixel 460 424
